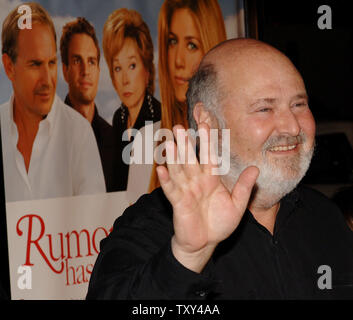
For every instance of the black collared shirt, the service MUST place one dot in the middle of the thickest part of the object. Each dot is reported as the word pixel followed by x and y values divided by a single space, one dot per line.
pixel 106 141
pixel 309 255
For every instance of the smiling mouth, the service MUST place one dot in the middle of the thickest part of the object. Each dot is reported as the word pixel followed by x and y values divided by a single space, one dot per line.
pixel 283 148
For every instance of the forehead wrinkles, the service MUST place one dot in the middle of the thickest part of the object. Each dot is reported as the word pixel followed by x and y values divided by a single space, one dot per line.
pixel 244 68
pixel 257 73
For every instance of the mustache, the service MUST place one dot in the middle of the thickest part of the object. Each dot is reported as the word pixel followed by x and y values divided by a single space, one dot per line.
pixel 281 140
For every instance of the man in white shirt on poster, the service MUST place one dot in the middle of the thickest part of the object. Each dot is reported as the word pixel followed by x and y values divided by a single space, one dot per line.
pixel 49 150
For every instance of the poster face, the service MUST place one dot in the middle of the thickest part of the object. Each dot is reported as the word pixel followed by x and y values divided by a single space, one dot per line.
pixel 68 114
pixel 96 13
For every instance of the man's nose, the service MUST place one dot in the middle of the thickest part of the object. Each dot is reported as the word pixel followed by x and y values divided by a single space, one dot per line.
pixel 287 123
pixel 84 68
pixel 45 74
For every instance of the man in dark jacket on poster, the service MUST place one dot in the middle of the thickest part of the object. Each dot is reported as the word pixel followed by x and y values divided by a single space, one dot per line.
pixel 80 57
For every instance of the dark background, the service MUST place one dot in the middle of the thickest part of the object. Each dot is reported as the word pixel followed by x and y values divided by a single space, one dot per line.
pixel 323 57
pixel 325 60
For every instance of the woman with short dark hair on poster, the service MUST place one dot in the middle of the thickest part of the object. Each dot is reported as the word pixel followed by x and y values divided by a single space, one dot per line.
pixel 128 51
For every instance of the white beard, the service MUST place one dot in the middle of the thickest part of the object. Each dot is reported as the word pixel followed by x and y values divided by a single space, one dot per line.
pixel 274 180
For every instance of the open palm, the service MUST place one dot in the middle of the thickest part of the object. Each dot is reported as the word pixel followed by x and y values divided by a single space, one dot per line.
pixel 204 211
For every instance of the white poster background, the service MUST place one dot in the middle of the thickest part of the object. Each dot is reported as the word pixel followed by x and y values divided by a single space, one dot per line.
pixel 33 225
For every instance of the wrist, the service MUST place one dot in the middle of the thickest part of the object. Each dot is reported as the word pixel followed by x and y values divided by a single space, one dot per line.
pixel 192 260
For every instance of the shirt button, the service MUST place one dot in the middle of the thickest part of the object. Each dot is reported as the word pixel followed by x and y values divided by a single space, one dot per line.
pixel 275 241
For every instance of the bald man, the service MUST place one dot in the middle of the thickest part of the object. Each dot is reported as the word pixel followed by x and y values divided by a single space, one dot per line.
pixel 252 233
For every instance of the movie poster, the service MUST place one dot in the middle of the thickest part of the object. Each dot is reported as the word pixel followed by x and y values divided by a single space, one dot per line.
pixel 82 117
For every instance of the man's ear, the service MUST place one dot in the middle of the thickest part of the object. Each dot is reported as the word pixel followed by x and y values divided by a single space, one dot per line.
pixel 201 115
pixel 8 66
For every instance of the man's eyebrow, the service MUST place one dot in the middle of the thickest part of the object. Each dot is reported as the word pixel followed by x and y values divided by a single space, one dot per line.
pixel 263 100
pixel 302 95
pixel 77 55
pixel 35 61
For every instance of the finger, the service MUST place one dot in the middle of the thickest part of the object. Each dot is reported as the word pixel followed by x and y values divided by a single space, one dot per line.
pixel 243 188
pixel 208 152
pixel 172 160
pixel 191 149
pixel 186 153
pixel 175 169
pixel 170 189
pixel 179 134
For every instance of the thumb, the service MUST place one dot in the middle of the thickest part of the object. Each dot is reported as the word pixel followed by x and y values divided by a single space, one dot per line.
pixel 243 187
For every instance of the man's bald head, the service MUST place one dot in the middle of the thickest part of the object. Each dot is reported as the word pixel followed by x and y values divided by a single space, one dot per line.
pixel 225 66
pixel 228 50
pixel 254 90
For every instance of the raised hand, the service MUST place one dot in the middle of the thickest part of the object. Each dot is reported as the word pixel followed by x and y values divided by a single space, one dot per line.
pixel 204 211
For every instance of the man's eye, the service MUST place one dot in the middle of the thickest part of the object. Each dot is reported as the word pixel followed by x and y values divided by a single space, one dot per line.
pixel 300 104
pixel 265 109
pixel 35 64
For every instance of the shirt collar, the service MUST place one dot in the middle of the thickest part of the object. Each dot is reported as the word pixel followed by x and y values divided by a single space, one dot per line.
pixel 95 115
pixel 48 121
pixel 12 122
pixel 288 204
pixel 51 117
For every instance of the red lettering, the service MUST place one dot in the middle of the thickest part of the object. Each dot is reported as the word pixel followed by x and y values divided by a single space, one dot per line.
pixel 68 269
pixel 89 268
pixel 94 238
pixel 78 243
pixel 62 256
pixel 80 275
pixel 31 241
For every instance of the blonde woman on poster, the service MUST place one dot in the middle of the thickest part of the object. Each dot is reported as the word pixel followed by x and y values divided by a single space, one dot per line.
pixel 187 29
pixel 128 50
